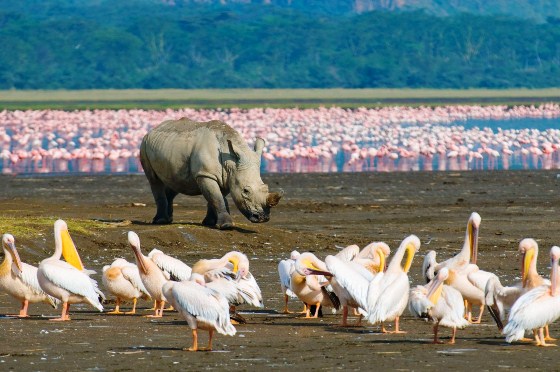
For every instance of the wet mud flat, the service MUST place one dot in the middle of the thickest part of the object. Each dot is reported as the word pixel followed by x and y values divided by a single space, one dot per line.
pixel 317 213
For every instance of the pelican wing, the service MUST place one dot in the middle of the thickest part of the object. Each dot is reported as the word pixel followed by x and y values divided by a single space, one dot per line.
pixel 418 304
pixel 132 274
pixel 350 278
pixel 67 277
pixel 479 278
pixel 203 303
pixel 177 269
pixel 530 311
pixel 285 269
pixel 393 290
pixel 452 300
pixel 29 277
pixel 248 285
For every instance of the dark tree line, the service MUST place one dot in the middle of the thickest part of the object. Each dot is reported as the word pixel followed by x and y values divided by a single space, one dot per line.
pixel 144 44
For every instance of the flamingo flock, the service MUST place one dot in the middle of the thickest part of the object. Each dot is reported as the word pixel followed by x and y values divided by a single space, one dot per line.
pixel 298 140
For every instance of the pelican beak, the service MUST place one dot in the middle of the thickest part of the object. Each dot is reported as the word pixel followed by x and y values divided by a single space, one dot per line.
pixel 434 292
pixel 382 261
pixel 69 251
pixel 473 232
pixel 410 251
pixel 527 258
pixel 314 271
pixel 235 262
pixel 15 256
pixel 140 259
pixel 554 278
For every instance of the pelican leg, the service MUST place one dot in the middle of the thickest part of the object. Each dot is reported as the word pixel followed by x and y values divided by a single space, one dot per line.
pixel 23 310
pixel 117 306
pixel 304 311
pixel 317 307
pixel 397 330
pixel 542 341
pixel 356 312
pixel 307 311
pixel 547 335
pixel 133 311
pixel 158 313
pixel 286 311
pixel 65 311
pixel 344 316
pixel 210 334
pixel 383 330
pixel 477 321
pixel 436 340
pixel 453 334
pixel 194 346
pixel 359 321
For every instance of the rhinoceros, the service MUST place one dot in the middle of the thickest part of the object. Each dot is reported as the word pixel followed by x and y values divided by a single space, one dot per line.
pixel 209 158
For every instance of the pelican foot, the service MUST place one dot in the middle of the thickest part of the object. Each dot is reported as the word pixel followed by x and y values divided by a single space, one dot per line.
pixel 130 312
pixel 544 344
pixel 18 315
pixel 115 312
pixel 550 338
pixel 190 349
pixel 59 319
pixel 153 316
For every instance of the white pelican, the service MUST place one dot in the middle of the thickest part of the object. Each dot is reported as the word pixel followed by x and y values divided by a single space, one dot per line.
pixel 351 279
pixel 462 267
pixel 285 270
pixel 232 276
pixel 19 279
pixel 388 294
pixel 306 285
pixel 500 298
pixel 67 281
pixel 152 277
pixel 537 308
pixel 348 253
pixel 122 279
pixel 439 303
pixel 201 306
pixel 175 268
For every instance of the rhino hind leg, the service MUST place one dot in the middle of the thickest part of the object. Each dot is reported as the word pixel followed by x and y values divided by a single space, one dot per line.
pixel 170 195
pixel 217 213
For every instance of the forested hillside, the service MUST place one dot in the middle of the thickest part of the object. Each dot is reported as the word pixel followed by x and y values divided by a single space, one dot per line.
pixel 147 44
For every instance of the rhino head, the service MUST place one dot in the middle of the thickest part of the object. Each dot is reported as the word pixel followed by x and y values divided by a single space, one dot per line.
pixel 249 193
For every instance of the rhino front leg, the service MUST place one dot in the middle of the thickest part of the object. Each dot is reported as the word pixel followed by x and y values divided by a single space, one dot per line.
pixel 164 215
pixel 217 210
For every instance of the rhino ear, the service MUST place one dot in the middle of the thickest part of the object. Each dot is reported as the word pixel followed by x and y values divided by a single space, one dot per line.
pixel 259 145
pixel 232 151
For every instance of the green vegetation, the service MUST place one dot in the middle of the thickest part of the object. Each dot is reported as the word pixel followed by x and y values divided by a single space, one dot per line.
pixel 246 98
pixel 28 227
pixel 146 44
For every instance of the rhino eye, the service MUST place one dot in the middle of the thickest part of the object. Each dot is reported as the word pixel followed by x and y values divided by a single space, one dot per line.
pixel 246 191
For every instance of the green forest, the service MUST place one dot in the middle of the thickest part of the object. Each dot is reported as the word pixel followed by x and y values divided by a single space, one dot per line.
pixel 143 44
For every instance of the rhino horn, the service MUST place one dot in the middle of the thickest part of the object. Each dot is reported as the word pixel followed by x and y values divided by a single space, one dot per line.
pixel 273 198
pixel 259 145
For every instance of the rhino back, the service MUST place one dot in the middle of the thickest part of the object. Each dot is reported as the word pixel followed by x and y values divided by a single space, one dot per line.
pixel 179 151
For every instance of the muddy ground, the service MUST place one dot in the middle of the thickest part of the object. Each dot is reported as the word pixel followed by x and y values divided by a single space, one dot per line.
pixel 317 213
